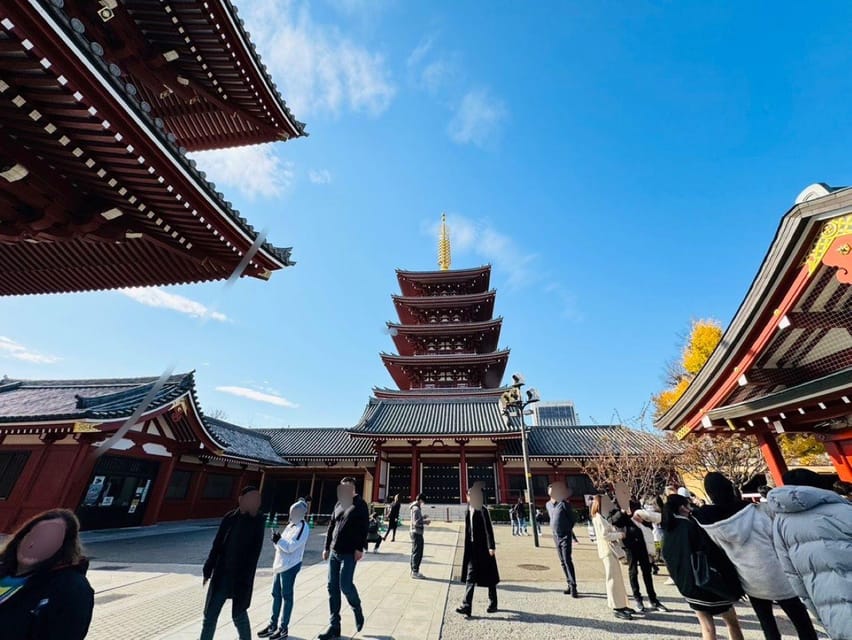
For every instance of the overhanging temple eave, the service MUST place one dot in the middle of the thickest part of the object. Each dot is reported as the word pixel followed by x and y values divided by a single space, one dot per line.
pixel 119 203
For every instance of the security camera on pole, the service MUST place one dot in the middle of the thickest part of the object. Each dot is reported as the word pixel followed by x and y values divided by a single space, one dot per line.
pixel 511 403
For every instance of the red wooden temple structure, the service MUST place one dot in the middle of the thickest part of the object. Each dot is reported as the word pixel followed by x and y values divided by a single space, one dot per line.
pixel 784 364
pixel 99 104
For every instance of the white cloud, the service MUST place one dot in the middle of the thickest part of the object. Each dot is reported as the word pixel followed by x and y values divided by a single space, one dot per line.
pixel 318 68
pixel 156 297
pixel 319 176
pixel 482 239
pixel 11 349
pixel 258 396
pixel 254 171
pixel 477 119
pixel 428 70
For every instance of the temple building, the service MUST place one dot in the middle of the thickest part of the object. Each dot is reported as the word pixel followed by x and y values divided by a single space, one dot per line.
pixel 100 103
pixel 784 364
pixel 440 430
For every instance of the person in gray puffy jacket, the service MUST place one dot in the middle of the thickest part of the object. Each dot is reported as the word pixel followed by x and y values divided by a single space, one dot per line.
pixel 744 532
pixel 812 534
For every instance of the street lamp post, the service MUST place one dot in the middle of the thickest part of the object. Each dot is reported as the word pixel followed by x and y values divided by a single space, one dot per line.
pixel 513 402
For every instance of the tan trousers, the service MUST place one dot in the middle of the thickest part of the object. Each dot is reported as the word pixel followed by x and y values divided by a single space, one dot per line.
pixel 616 594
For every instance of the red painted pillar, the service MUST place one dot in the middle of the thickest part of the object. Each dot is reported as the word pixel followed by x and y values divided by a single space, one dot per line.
pixel 463 470
pixel 415 471
pixel 773 456
pixel 504 483
pixel 377 476
pixel 840 459
pixel 161 483
pixel 200 479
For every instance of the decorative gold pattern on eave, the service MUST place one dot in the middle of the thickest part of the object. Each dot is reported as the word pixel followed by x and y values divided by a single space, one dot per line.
pixel 86 427
pixel 831 230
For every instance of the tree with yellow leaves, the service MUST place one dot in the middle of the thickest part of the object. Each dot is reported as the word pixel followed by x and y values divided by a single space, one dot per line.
pixel 702 340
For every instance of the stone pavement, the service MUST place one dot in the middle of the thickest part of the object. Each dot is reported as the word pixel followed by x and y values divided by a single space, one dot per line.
pixel 532 604
pixel 165 601
pixel 143 593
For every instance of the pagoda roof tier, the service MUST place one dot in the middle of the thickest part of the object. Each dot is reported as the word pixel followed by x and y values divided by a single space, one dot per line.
pixel 475 370
pixel 194 64
pixel 477 307
pixel 95 193
pixel 482 337
pixel 430 283
pixel 438 417
pixel 442 392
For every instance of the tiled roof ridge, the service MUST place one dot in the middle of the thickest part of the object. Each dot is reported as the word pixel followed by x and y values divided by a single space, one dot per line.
pixel 230 425
pixel 93 383
pixel 241 27
pixel 183 383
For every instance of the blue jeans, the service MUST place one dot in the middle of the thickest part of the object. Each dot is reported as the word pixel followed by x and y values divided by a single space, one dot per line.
pixel 341 572
pixel 217 593
pixel 514 527
pixel 522 525
pixel 282 589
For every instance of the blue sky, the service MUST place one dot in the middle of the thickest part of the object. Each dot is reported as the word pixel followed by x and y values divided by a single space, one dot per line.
pixel 623 166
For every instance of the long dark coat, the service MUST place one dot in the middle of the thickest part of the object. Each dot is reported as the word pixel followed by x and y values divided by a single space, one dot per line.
pixel 478 566
pixel 239 581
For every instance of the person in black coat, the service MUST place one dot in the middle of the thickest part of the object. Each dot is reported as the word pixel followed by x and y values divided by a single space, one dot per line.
pixel 479 565
pixel 232 563
pixel 684 538
pixel 44 593
pixel 393 518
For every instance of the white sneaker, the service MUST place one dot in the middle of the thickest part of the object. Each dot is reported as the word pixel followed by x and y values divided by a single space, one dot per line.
pixel 669 581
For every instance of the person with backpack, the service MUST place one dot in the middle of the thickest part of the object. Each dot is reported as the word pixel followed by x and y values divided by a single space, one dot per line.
pixel 289 551
pixel 373 534
pixel 743 530
pixel 44 593
pixel 700 570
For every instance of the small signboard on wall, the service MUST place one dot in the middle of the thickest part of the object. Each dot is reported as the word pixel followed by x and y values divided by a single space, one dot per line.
pixel 107 501
pixel 94 491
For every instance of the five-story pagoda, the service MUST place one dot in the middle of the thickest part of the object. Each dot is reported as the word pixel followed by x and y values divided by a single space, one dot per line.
pixel 447 336
pixel 442 428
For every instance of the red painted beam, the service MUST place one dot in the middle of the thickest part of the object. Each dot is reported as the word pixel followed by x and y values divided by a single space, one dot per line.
pixel 773 456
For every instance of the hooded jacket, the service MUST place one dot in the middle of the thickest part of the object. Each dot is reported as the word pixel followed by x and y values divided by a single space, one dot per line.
pixel 746 538
pixel 812 533
pixel 56 603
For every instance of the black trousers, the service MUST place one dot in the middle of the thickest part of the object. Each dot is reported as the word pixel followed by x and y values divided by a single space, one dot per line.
pixel 795 610
pixel 392 524
pixel 563 550
pixel 468 595
pixel 416 551
pixel 639 558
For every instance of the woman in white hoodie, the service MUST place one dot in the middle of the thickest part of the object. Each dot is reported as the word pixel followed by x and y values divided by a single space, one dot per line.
pixel 289 551
pixel 744 532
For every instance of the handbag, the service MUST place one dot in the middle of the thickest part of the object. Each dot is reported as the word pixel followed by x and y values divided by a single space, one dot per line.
pixel 709 577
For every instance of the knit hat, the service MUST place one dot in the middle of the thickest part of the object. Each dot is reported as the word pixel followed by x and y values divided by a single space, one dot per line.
pixel 719 489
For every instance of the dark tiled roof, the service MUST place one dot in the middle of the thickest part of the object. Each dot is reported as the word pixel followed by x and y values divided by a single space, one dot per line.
pixel 474 416
pixel 577 442
pixel 300 443
pixel 61 400
pixel 243 443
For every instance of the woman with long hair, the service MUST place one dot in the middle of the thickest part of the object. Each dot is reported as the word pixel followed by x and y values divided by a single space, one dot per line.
pixel 44 593
pixel 683 538
pixel 393 518
pixel 605 536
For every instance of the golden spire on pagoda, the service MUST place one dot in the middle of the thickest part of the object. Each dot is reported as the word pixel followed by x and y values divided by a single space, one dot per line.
pixel 444 259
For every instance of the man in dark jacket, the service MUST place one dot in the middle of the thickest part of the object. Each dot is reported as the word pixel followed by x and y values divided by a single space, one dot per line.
pixel 562 526
pixel 479 566
pixel 393 517
pixel 232 563
pixel 345 543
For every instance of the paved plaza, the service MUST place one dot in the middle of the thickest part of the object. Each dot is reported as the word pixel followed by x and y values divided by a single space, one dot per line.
pixel 148 587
